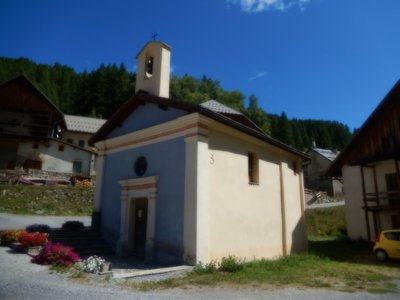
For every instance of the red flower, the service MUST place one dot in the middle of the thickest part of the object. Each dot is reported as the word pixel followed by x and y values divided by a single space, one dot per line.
pixel 33 239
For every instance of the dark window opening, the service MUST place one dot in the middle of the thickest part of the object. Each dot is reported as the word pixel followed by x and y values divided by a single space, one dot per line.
pixel 35 146
pixel 149 66
pixel 32 164
pixel 81 143
pixel 60 147
pixel 76 167
pixel 253 168
pixel 294 168
pixel 71 141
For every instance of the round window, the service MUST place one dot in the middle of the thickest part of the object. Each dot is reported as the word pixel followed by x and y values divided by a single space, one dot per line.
pixel 140 166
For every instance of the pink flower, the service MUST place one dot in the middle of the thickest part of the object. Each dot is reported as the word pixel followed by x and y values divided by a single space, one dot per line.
pixel 56 254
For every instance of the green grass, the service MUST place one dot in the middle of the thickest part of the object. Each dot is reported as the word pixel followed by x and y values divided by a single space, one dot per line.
pixel 46 200
pixel 59 269
pixel 326 222
pixel 326 266
pixel 342 250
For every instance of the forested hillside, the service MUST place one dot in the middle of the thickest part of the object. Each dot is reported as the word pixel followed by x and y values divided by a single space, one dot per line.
pixel 103 90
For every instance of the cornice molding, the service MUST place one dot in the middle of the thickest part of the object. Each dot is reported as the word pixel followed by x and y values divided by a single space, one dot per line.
pixel 189 125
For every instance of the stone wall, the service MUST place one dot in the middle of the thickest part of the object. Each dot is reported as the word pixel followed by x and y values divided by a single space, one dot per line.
pixel 11 176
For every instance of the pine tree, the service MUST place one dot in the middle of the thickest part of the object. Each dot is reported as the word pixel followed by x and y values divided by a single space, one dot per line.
pixel 285 130
pixel 103 90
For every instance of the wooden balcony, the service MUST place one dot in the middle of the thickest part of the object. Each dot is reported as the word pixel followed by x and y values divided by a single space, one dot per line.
pixel 382 201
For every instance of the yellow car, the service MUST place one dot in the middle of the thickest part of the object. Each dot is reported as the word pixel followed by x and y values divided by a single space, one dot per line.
pixel 387 245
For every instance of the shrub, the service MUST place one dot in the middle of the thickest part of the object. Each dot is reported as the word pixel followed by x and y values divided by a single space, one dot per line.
pixel 29 239
pixel 56 254
pixel 227 264
pixel 11 236
pixel 38 228
pixel 93 264
pixel 230 264
pixel 72 226
pixel 209 268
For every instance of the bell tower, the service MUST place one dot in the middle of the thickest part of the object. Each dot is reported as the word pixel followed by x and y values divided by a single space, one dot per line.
pixel 153 72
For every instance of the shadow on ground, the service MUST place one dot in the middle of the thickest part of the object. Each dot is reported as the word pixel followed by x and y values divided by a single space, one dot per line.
pixel 345 250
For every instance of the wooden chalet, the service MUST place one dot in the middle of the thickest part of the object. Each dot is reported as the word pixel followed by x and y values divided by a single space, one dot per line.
pixel 25 112
pixel 371 172
pixel 31 132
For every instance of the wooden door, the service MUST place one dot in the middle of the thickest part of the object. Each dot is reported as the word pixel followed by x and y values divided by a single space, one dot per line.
pixel 140 226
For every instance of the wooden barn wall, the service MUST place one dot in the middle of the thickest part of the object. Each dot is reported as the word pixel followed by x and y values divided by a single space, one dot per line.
pixel 383 131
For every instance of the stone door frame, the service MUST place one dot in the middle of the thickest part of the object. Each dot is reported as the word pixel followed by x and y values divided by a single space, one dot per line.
pixel 131 189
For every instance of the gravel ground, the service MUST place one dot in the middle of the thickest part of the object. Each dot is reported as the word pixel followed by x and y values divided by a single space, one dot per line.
pixel 20 279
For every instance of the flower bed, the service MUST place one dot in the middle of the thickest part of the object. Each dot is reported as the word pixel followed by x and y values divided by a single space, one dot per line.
pixel 93 264
pixel 30 239
pixel 10 236
pixel 56 254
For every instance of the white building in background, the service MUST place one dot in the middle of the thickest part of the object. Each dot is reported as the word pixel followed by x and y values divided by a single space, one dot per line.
pixel 315 172
pixel 80 129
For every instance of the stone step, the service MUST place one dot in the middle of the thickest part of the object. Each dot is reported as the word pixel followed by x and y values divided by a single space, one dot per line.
pixel 119 273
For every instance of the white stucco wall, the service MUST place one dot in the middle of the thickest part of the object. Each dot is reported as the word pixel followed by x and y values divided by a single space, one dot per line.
pixel 76 136
pixel 353 193
pixel 54 160
pixel 382 169
pixel 246 220
pixel 355 216
pixel 296 233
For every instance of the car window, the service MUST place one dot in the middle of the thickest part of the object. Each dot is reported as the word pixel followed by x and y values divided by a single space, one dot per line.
pixel 394 236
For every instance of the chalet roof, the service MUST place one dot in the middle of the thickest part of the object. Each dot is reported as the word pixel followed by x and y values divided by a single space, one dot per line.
pixel 20 94
pixel 219 107
pixel 242 123
pixel 83 124
pixel 26 112
pixel 327 153
pixel 370 142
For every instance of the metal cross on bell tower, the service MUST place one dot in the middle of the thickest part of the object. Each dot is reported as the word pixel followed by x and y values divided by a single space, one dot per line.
pixel 154 36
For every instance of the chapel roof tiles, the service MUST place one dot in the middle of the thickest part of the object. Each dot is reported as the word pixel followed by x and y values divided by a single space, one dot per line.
pixel 219 107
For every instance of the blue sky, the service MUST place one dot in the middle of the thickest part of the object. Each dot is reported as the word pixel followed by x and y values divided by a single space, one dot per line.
pixel 319 59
